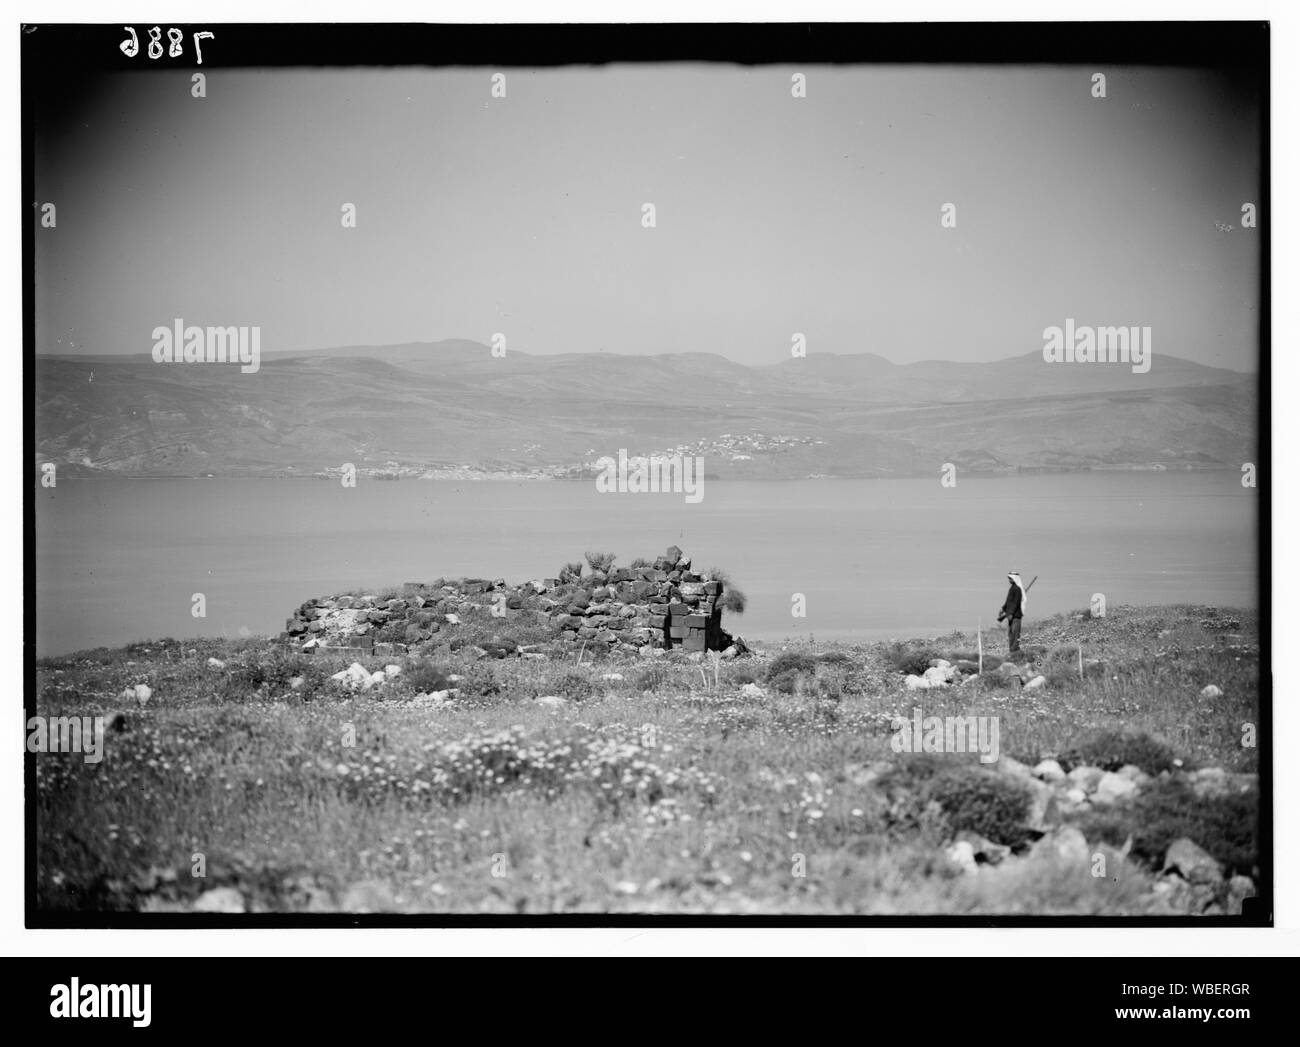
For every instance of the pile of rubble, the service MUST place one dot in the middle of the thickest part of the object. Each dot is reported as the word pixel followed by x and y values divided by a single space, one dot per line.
pixel 664 605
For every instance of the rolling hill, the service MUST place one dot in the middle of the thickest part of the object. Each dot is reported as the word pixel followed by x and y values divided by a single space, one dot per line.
pixel 420 408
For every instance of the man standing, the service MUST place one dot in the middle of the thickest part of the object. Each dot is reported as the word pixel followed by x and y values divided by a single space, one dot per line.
pixel 1013 609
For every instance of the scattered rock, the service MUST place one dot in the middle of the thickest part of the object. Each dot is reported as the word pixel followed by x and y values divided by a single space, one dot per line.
pixel 938 676
pixel 1111 788
pixel 1065 842
pixel 962 855
pixel 220 899
pixel 1239 889
pixel 1193 863
pixel 1006 765
pixel 1085 777
pixel 354 677
pixel 985 851
pixel 752 690
pixel 1049 771
pixel 368 896
pixel 140 693
pixel 216 663
pixel 1044 811
pixel 1211 691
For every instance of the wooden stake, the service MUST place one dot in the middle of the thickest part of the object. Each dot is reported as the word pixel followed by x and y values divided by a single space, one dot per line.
pixel 1080 661
pixel 979 639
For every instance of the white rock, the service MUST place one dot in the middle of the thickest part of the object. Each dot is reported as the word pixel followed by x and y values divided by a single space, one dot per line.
pixel 916 683
pixel 377 678
pixel 938 677
pixel 220 899
pixel 1049 771
pixel 1192 862
pixel 1076 795
pixel 453 619
pixel 551 701
pixel 216 663
pixel 354 677
pixel 142 693
pixel 1036 684
pixel 1112 788
pixel 1211 691
pixel 1065 842
pixel 752 690
pixel 612 676
pixel 1086 777
pixel 392 670
pixel 1007 765
pixel 962 854
pixel 296 682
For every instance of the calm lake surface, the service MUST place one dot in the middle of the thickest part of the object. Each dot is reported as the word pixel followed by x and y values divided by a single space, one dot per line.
pixel 119 560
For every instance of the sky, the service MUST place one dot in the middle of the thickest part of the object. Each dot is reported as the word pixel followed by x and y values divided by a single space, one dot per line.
pixel 774 215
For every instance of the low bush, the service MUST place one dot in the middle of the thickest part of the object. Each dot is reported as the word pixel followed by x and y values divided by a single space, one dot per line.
pixel 791 662
pixel 1112 749
pixel 910 661
pixel 1164 811
pixel 422 677
pixel 970 798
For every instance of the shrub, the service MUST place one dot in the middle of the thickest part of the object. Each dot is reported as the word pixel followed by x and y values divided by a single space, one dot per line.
pixel 983 802
pixel 980 801
pixel 640 563
pixel 1225 826
pixel 1111 749
pixel 422 677
pixel 908 660
pixel 733 598
pixel 786 682
pixel 791 661
pixel 600 561
pixel 573 685
pixel 271 669
pixel 651 678
pixel 742 676
pixel 571 572
pixel 834 658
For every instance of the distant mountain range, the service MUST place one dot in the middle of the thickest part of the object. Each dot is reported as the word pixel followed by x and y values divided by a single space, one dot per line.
pixel 453 409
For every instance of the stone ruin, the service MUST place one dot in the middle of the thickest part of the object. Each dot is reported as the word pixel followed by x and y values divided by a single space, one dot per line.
pixel 659 607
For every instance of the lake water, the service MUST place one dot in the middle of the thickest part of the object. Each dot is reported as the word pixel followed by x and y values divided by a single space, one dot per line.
pixel 119 560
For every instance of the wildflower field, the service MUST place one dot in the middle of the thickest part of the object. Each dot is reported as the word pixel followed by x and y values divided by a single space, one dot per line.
pixel 250 781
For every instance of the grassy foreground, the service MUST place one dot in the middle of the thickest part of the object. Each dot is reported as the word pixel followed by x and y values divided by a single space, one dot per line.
pixel 764 784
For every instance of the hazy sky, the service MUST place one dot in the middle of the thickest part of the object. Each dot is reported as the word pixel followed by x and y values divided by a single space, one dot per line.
pixel 774 214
